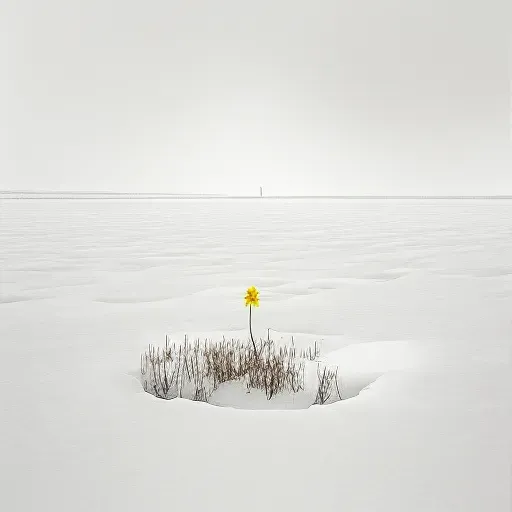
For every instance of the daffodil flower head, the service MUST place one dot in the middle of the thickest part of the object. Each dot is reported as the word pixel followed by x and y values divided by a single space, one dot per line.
pixel 252 297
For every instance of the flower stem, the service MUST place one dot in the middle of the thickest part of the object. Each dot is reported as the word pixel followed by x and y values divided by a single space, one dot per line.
pixel 250 330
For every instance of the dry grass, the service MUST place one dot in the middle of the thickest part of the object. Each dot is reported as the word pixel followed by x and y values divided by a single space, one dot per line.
pixel 195 370
pixel 327 381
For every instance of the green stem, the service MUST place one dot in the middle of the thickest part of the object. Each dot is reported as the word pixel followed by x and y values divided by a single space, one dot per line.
pixel 250 330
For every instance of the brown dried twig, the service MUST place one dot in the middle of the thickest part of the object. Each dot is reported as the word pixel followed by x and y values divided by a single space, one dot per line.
pixel 196 370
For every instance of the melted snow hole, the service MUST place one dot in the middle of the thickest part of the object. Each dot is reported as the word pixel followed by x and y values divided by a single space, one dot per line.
pixel 357 366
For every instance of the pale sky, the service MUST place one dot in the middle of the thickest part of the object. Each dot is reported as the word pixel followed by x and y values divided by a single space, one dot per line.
pixel 302 97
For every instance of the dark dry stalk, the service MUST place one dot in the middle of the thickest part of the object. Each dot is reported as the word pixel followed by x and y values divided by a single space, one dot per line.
pixel 250 329
pixel 337 387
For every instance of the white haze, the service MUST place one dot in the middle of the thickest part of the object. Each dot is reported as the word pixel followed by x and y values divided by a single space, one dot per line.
pixel 330 98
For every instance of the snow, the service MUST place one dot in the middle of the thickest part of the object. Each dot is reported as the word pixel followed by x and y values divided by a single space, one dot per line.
pixel 412 300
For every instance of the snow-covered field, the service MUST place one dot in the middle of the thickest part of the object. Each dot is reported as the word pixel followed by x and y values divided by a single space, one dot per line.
pixel 412 299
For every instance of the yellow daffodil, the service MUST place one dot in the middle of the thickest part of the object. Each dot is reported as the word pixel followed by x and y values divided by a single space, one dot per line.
pixel 251 299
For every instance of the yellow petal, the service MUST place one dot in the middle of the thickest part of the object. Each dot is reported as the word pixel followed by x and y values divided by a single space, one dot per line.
pixel 252 296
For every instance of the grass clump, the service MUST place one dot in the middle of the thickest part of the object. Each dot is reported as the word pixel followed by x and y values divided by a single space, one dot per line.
pixel 196 369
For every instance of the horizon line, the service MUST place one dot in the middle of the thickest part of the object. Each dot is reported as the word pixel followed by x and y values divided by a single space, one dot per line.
pixel 227 196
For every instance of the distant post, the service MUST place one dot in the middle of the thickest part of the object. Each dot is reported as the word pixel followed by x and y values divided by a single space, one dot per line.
pixel 261 191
